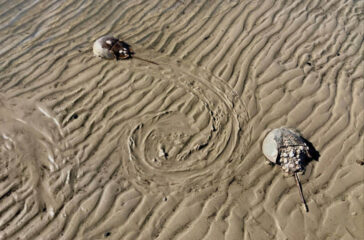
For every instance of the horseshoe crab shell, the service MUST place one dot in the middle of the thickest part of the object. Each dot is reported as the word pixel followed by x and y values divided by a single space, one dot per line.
pixel 270 145
pixel 100 49
pixel 279 140
pixel 109 47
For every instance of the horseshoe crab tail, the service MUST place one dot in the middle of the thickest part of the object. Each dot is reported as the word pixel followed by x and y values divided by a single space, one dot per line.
pixel 300 189
pixel 145 60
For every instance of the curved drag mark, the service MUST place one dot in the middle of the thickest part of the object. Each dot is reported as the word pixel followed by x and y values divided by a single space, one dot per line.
pixel 191 145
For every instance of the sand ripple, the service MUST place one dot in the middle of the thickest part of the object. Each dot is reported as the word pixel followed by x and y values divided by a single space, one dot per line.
pixel 94 149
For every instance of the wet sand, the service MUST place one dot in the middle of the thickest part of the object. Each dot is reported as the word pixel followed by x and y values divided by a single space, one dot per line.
pixel 103 149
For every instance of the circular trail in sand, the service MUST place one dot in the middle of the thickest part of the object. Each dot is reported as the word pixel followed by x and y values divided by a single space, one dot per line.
pixel 187 146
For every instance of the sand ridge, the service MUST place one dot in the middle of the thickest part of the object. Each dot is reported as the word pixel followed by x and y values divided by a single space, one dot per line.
pixel 98 149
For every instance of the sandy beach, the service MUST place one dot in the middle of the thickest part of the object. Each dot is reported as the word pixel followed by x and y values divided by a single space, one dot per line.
pixel 171 147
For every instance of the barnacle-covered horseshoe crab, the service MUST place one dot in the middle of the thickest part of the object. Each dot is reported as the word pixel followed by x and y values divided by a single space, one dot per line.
pixel 287 148
pixel 109 47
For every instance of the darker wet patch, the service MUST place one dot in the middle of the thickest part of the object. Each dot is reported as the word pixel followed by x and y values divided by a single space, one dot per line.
pixel 199 147
pixel 7 194
pixel 360 162
pixel 313 153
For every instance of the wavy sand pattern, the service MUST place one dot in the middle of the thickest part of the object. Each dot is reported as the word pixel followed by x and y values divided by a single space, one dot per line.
pixel 97 149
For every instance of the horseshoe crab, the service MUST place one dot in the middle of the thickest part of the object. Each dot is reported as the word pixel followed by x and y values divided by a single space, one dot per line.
pixel 109 47
pixel 287 148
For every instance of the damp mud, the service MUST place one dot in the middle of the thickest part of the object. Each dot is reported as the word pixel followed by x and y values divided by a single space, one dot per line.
pixel 170 147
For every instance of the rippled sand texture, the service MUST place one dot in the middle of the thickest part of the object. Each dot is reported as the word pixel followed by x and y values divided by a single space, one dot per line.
pixel 94 149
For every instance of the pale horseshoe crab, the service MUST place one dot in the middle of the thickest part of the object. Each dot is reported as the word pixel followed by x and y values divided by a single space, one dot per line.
pixel 287 148
pixel 109 47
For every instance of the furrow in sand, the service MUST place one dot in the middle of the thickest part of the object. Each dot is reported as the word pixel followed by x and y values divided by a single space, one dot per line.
pixel 23 218
pixel 28 38
pixel 72 220
pixel 178 221
pixel 21 11
pixel 200 226
pixel 126 149
pixel 9 9
pixel 140 216
pixel 124 206
pixel 64 105
pixel 259 47
pixel 147 23
pixel 244 22
pixel 225 52
pixel 188 45
pixel 86 207
pixel 166 44
pixel 219 222
pixel 10 214
pixel 218 29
